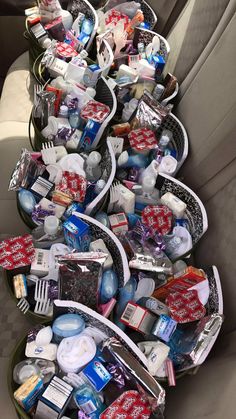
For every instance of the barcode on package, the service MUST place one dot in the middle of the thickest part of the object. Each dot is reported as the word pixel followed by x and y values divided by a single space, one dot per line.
pixel 42 186
pixel 121 218
pixel 38 30
pixel 128 313
pixel 40 258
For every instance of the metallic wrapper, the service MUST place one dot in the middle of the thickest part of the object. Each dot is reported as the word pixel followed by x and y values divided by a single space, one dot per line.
pixel 142 376
pixel 26 170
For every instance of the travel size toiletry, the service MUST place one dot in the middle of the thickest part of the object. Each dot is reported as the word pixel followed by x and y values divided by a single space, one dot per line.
pixel 125 295
pixel 99 246
pixel 67 325
pixel 92 166
pixel 77 233
pixel 109 286
pixel 137 160
pixel 27 200
pixel 174 203
pixel 118 223
pixel 27 394
pixel 49 233
pixel 87 399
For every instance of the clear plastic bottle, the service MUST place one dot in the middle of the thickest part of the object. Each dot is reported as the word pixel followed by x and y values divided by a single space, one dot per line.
pixel 150 195
pixel 178 243
pixel 44 236
pixel 92 166
pixel 87 399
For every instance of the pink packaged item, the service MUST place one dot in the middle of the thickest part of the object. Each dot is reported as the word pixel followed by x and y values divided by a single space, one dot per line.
pixel 16 252
pixel 185 306
pixel 65 51
pixel 131 404
pixel 158 218
pixel 96 111
pixel 73 185
pixel 142 139
pixel 114 16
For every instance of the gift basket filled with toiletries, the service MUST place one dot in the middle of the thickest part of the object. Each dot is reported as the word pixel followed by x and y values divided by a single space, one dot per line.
pixel 73 29
pixel 100 368
pixel 89 365
pixel 55 255
pixel 54 182
pixel 131 11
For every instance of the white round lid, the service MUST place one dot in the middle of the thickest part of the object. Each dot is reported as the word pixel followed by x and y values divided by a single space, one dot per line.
pixel 148 184
pixel 27 371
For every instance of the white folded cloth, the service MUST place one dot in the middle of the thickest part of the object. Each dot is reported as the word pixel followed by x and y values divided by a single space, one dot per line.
pixel 75 352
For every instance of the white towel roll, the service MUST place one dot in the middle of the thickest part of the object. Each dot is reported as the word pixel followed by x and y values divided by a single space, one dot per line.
pixel 75 352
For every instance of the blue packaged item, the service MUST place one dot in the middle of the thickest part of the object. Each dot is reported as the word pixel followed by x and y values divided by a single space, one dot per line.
pixel 87 400
pixel 75 206
pixel 109 286
pixel 28 393
pixel 86 30
pixel 170 152
pixel 77 234
pixel 145 25
pixel 126 294
pixel 89 135
pixel 182 222
pixel 164 327
pixel 97 374
pixel 133 219
pixel 159 63
pixel 91 75
pixel 67 325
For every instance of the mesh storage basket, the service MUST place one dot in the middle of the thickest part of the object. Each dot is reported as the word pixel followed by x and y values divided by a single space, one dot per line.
pixel 149 14
pixel 195 212
pixel 108 167
pixel 98 231
pixel 180 138
pixel 90 317
pixel 104 94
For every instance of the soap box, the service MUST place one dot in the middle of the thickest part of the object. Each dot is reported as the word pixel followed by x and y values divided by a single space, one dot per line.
pixel 138 318
pixel 26 395
pixel 97 374
pixel 77 234
pixel 54 399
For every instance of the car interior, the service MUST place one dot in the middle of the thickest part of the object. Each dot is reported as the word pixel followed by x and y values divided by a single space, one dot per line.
pixel 201 35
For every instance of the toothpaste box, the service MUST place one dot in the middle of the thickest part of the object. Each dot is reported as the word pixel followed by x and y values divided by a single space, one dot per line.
pixel 77 234
pixel 138 318
pixel 89 135
pixel 97 374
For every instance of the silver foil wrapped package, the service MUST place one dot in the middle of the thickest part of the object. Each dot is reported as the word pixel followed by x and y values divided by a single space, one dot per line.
pixel 149 113
pixel 142 376
pixel 149 263
pixel 27 169
pixel 207 331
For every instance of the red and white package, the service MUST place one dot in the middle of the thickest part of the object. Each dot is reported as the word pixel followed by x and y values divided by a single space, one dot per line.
pixel 16 252
pixel 131 404
pixel 72 185
pixel 185 306
pixel 142 139
pixel 114 16
pixel 65 51
pixel 158 217
pixel 95 110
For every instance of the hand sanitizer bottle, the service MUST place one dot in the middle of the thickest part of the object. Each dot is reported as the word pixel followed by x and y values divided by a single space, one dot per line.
pixel 92 168
pixel 149 195
pixel 44 236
